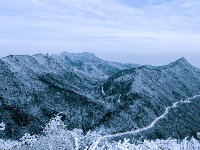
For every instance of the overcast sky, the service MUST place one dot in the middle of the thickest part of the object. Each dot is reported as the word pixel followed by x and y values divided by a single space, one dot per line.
pixel 153 32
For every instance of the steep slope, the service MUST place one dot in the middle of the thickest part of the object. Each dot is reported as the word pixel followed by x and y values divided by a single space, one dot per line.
pixel 89 91
pixel 34 88
pixel 179 120
pixel 137 96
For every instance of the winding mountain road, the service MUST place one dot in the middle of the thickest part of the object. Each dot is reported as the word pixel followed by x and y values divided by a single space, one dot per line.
pixel 150 126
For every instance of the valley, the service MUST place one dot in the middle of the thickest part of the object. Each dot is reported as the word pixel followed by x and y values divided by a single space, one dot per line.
pixel 94 94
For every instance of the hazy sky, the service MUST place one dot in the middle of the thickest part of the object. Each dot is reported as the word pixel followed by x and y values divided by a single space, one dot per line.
pixel 153 32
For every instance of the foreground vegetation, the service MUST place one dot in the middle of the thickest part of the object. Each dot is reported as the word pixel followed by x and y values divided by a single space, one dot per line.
pixel 57 137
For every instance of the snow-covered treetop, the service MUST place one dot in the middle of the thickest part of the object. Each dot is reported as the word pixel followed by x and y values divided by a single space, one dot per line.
pixel 3 126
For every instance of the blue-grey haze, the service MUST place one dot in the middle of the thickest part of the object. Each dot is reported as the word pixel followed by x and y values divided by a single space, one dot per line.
pixel 154 32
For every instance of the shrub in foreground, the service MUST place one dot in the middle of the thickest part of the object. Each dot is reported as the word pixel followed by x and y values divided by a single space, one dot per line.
pixel 57 137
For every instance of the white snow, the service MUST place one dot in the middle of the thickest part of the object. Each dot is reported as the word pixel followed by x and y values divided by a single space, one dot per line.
pixel 103 91
pixel 3 126
pixel 151 125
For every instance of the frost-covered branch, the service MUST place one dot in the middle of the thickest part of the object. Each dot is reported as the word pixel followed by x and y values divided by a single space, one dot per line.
pixel 3 126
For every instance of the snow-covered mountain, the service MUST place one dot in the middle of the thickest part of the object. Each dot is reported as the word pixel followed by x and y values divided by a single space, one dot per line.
pixel 34 88
pixel 89 91
pixel 93 66
pixel 139 95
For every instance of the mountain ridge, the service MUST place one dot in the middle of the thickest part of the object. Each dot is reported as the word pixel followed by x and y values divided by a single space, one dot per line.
pixel 39 86
pixel 34 88
pixel 145 92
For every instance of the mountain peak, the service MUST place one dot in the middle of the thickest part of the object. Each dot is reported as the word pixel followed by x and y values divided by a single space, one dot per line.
pixel 182 59
pixel 64 53
pixel 180 62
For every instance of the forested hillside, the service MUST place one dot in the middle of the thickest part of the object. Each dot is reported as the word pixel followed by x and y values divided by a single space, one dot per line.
pixel 92 93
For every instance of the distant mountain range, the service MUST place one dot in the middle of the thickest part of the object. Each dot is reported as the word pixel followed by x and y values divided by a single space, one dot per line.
pixel 93 94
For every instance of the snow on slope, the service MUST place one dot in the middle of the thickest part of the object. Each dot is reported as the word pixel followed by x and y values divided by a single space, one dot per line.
pixel 150 126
